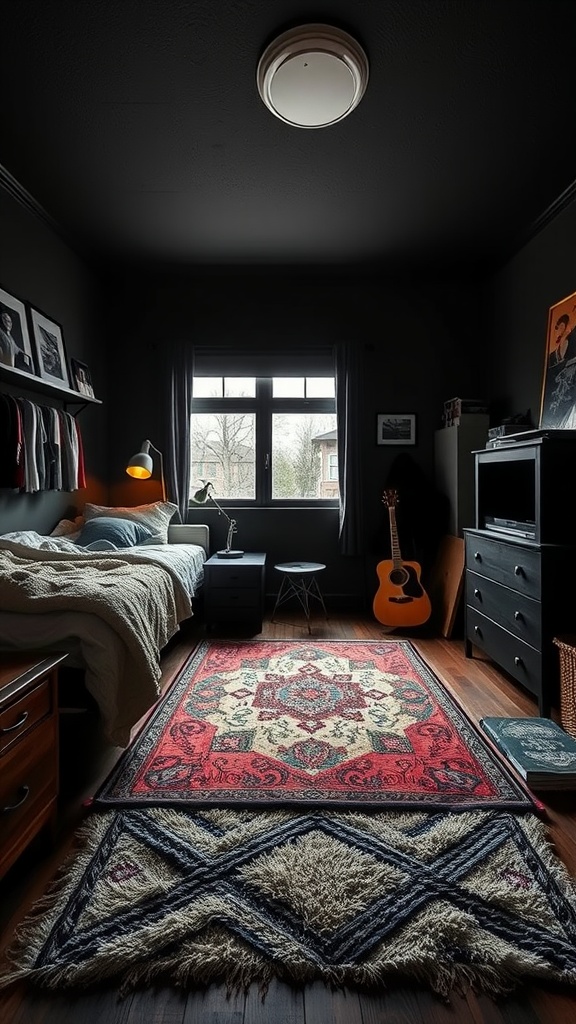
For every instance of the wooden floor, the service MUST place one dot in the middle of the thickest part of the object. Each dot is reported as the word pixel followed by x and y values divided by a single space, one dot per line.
pixel 86 760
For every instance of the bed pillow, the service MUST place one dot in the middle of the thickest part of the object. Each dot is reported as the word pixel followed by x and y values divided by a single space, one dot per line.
pixel 155 517
pixel 68 528
pixel 118 533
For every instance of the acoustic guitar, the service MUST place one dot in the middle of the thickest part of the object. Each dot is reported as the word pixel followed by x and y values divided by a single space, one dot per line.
pixel 401 599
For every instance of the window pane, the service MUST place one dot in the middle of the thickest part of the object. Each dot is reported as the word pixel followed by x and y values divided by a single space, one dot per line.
pixel 207 387
pixel 239 387
pixel 226 443
pixel 320 387
pixel 288 387
pixel 301 446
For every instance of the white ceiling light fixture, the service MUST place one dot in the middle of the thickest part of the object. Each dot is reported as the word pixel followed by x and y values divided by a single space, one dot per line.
pixel 312 76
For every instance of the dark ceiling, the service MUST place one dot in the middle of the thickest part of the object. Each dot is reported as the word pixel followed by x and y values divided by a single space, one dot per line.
pixel 136 125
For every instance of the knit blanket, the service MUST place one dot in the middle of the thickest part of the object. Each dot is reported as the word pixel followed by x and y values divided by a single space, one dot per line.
pixel 140 600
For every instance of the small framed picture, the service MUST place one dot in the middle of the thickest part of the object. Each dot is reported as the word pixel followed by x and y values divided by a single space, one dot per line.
pixel 50 351
pixel 395 428
pixel 15 347
pixel 558 402
pixel 81 378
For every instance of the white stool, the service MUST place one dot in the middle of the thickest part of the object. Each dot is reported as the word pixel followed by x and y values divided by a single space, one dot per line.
pixel 299 580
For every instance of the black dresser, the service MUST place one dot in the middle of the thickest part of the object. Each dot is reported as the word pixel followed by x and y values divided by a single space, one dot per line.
pixel 521 560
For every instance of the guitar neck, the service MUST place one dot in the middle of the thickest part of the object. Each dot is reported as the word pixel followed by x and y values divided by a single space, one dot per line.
pixel 395 546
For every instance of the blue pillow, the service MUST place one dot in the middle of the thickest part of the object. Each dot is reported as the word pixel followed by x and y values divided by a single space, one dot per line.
pixel 117 533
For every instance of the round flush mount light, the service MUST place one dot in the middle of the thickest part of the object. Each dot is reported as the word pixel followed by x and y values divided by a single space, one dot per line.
pixel 312 76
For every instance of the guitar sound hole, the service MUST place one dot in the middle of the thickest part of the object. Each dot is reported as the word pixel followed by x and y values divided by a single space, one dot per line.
pixel 399 577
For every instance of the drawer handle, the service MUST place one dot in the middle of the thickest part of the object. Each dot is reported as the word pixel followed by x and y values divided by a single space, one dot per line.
pixel 478 594
pixel 518 616
pixel 477 556
pixel 13 807
pixel 518 570
pixel 518 661
pixel 478 630
pixel 17 725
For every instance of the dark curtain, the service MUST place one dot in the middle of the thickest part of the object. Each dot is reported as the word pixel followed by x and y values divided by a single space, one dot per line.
pixel 348 413
pixel 181 372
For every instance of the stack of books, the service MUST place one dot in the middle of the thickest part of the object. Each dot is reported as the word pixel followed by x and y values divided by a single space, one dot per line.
pixel 456 408
pixel 540 751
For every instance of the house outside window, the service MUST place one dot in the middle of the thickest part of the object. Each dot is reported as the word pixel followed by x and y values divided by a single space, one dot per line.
pixel 265 440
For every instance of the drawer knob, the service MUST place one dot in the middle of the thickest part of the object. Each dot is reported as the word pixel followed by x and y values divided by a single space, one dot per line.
pixel 518 616
pixel 478 594
pixel 478 630
pixel 518 570
pixel 477 556
pixel 518 661
pixel 17 725
pixel 12 807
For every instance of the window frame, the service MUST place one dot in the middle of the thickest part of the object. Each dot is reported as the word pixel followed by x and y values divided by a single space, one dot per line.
pixel 263 405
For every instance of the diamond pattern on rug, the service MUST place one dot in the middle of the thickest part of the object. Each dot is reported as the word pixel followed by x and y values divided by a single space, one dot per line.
pixel 354 899
pixel 330 722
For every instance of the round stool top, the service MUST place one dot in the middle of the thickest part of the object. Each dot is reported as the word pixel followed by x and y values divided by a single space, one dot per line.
pixel 299 568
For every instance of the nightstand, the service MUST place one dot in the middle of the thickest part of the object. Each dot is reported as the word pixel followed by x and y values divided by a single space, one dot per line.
pixel 234 590
pixel 28 749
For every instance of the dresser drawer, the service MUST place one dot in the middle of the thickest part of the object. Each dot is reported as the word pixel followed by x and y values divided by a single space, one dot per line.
pixel 515 656
pixel 18 718
pixel 521 615
pixel 28 782
pixel 512 565
pixel 228 576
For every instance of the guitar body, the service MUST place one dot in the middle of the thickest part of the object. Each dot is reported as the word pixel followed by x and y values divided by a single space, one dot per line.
pixel 400 599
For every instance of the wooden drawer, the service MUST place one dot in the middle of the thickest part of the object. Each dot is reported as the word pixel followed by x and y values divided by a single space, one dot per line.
pixel 28 786
pixel 512 565
pixel 228 576
pixel 18 718
pixel 516 657
pixel 521 615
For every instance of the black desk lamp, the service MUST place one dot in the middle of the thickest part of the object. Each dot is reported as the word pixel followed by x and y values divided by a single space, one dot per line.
pixel 200 498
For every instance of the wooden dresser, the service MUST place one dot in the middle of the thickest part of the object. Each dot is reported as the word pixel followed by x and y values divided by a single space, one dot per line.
pixel 28 749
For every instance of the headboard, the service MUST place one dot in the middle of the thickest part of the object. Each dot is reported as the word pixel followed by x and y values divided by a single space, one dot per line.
pixel 190 533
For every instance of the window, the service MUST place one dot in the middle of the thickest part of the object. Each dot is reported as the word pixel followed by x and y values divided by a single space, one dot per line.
pixel 265 439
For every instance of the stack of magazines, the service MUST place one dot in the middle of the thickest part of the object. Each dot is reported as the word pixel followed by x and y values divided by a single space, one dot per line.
pixel 540 751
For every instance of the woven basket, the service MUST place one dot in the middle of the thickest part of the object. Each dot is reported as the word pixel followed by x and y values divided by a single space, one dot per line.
pixel 567 648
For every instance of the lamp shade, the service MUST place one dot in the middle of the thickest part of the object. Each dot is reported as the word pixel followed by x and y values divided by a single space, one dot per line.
pixel 201 496
pixel 140 465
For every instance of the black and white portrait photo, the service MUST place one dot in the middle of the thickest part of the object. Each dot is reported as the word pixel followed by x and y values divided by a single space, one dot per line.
pixel 15 348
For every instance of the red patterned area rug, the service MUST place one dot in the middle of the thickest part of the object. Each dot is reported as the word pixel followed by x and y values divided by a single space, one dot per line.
pixel 340 723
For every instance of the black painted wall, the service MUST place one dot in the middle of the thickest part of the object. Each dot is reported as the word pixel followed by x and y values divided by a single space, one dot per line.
pixel 419 342
pixel 38 267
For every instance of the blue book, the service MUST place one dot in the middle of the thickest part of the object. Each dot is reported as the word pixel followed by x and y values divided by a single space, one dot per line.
pixel 540 751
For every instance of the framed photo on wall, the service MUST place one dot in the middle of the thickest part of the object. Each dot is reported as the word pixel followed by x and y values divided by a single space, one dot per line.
pixel 396 428
pixel 15 347
pixel 50 351
pixel 558 405
pixel 81 378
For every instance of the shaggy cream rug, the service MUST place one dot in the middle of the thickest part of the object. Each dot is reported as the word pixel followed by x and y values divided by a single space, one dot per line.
pixel 452 899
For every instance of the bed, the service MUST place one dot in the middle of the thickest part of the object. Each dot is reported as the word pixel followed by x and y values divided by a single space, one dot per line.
pixel 111 607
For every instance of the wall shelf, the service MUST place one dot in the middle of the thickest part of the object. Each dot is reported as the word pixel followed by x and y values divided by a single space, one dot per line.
pixel 29 382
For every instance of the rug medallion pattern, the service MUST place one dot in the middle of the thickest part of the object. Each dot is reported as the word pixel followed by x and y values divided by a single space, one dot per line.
pixel 330 722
